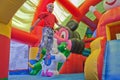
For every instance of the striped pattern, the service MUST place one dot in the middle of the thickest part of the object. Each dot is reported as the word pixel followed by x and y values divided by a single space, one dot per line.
pixel 8 9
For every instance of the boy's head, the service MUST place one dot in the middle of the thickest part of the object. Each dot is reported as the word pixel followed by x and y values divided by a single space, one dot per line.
pixel 50 7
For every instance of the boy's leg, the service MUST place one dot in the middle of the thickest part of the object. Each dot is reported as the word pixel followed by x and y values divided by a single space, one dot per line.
pixel 42 43
pixel 50 40
pixel 47 40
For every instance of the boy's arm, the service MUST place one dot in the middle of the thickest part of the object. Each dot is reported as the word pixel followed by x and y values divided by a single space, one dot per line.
pixel 56 21
pixel 36 22
pixel 59 25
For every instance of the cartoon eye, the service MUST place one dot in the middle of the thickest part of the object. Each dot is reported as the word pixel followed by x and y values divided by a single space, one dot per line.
pixel 63 34
pixel 64 48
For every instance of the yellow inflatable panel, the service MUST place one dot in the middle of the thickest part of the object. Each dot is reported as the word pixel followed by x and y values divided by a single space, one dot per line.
pixel 90 69
pixel 33 53
pixel 95 44
pixel 8 8
pixel 91 66
pixel 5 29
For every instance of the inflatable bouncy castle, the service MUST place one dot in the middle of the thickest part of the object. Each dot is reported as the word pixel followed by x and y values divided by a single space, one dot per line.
pixel 86 47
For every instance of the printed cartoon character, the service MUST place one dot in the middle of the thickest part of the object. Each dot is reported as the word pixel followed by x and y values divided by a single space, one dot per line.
pixel 36 67
pixel 64 50
pixel 51 62
pixel 70 36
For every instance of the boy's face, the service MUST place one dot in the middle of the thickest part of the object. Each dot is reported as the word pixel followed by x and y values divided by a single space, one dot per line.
pixel 50 7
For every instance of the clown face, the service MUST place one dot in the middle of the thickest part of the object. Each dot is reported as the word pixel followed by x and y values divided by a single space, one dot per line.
pixel 109 4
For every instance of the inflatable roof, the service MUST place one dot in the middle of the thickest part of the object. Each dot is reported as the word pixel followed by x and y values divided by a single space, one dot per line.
pixel 24 17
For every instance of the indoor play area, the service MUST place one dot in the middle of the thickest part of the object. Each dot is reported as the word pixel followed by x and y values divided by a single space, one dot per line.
pixel 84 43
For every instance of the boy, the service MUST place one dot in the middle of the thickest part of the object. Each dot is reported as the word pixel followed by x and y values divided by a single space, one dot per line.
pixel 47 32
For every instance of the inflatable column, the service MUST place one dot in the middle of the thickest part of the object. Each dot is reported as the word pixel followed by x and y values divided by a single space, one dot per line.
pixel 7 10
pixel 5 31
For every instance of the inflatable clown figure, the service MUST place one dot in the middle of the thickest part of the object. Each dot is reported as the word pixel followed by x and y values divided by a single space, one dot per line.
pixel 50 61
pixel 112 14
pixel 110 4
pixel 107 4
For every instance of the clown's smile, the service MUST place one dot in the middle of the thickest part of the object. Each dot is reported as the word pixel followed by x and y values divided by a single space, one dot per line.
pixel 110 3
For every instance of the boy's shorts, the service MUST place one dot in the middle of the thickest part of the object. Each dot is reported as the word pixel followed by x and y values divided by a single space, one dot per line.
pixel 47 38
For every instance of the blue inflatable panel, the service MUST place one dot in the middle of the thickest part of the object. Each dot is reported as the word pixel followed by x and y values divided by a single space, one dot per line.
pixel 19 72
pixel 59 77
pixel 111 70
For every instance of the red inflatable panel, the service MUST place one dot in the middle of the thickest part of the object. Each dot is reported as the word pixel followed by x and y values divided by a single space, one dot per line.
pixel 74 64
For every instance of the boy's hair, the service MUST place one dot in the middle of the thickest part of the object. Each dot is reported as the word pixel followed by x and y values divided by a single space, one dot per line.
pixel 50 4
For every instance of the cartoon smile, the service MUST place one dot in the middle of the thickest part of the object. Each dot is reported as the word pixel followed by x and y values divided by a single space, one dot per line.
pixel 110 3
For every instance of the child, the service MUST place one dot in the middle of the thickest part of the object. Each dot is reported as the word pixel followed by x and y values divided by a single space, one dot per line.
pixel 47 32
